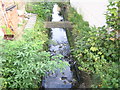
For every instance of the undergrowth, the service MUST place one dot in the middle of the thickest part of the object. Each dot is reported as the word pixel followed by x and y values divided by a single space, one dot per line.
pixel 24 61
pixel 96 51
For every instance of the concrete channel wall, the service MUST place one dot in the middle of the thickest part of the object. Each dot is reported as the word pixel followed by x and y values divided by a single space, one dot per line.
pixel 92 10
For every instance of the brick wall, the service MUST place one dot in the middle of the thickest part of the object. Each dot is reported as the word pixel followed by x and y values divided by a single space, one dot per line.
pixel 11 15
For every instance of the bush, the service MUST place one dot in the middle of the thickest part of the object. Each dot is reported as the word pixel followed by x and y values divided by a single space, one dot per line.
pixel 42 9
pixel 112 15
pixel 25 61
pixel 96 52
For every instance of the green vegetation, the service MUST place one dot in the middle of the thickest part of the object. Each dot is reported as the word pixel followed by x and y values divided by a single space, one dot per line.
pixel 96 52
pixel 112 15
pixel 42 9
pixel 7 30
pixel 25 62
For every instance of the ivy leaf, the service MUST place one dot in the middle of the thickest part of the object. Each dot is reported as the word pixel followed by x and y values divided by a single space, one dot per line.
pixel 100 53
pixel 93 49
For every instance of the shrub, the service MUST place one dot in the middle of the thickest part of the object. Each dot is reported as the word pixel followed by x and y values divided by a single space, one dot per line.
pixel 96 51
pixel 112 15
pixel 43 9
pixel 25 61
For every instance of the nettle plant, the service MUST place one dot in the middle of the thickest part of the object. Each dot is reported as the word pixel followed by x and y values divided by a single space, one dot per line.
pixel 42 9
pixel 24 62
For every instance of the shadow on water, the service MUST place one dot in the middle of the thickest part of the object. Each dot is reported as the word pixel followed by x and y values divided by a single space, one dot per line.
pixel 70 76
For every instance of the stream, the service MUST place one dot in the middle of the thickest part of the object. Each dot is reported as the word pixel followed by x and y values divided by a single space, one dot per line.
pixel 66 78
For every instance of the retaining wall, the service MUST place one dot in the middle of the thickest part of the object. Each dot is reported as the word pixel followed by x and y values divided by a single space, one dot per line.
pixel 92 10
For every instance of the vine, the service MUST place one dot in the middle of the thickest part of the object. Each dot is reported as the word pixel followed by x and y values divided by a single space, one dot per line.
pixel 113 15
pixel 95 52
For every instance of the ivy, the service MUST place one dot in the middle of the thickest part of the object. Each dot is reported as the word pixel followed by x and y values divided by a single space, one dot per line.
pixel 96 52
pixel 112 15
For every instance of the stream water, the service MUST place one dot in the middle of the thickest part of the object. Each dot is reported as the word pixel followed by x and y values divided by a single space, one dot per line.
pixel 64 79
